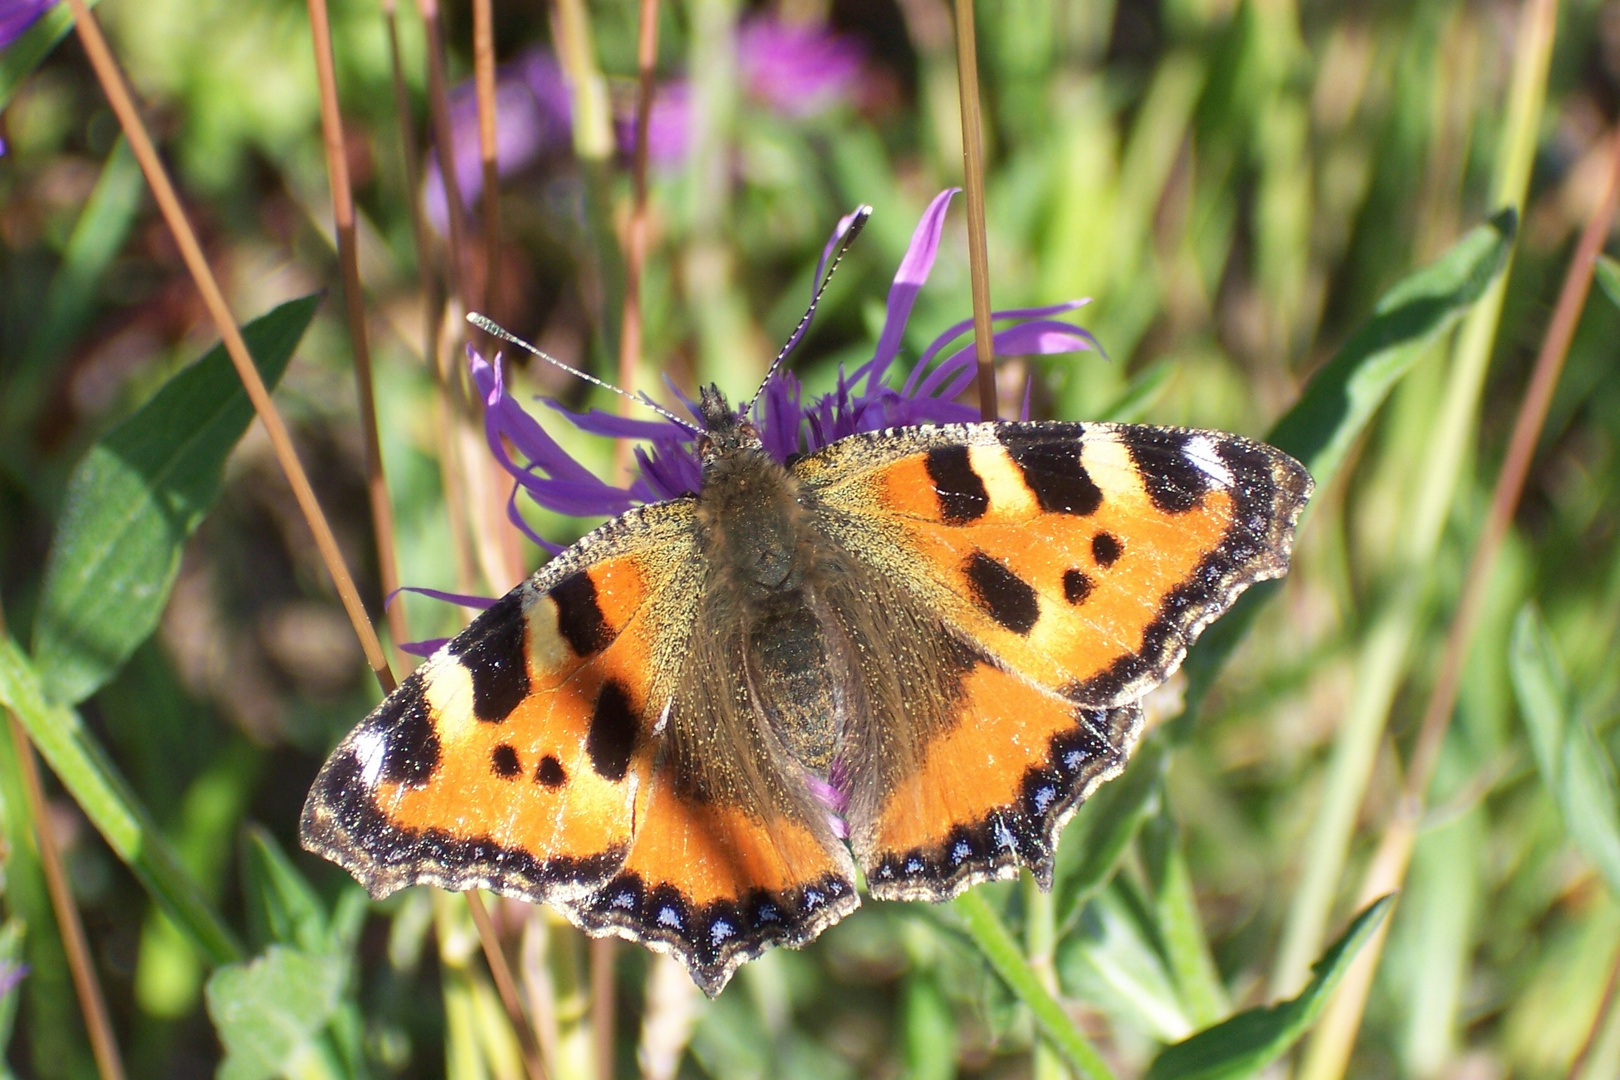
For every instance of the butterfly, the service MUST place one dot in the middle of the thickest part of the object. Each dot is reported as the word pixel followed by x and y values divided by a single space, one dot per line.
pixel 909 655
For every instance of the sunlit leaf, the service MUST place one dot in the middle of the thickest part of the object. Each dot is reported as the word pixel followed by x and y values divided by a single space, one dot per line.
pixel 1343 396
pixel 270 1013
pixel 133 501
pixel 1253 1039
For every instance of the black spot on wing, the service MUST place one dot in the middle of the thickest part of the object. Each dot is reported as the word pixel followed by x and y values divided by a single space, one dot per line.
pixel 1050 463
pixel 410 742
pixel 1106 549
pixel 550 772
pixel 579 615
pixel 503 761
pixel 1173 482
pixel 1076 586
pixel 342 822
pixel 612 737
pixel 494 650
pixel 962 498
pixel 1004 596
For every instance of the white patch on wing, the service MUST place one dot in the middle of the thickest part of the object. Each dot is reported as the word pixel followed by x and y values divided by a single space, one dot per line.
pixel 369 748
pixel 1200 450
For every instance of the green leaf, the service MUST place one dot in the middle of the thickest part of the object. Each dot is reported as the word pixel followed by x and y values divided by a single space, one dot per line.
pixel 1573 763
pixel 106 799
pixel 1343 396
pixel 270 1013
pixel 133 501
pixel 31 47
pixel 1253 1039
pixel 282 906
pixel 1607 272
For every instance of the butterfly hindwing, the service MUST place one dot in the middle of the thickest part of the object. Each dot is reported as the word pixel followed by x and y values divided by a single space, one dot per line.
pixel 731 854
pixel 506 761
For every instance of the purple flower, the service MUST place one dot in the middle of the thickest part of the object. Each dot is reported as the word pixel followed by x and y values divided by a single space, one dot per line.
pixel 862 401
pixel 797 70
pixel 793 70
pixel 17 16
pixel 532 120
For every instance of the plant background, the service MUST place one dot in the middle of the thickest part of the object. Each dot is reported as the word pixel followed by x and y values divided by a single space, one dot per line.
pixel 1233 182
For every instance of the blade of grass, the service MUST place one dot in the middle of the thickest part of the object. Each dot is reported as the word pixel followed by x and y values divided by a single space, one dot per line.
pixel 1343 396
pixel 484 89
pixel 988 932
pixel 157 177
pixel 444 147
pixel 1387 647
pixel 89 776
pixel 636 238
pixel 1330 1047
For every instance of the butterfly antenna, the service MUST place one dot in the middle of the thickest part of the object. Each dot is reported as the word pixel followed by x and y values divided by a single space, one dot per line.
pixel 852 228
pixel 494 329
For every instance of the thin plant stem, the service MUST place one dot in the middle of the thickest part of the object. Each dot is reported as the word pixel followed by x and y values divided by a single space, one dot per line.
pixel 432 307
pixel 506 986
pixel 997 944
pixel 967 79
pixel 1040 939
pixel 445 147
pixel 603 992
pixel 484 86
pixel 636 236
pixel 1329 1050
pixel 157 177
pixel 1387 646
pixel 354 306
pixel 103 1044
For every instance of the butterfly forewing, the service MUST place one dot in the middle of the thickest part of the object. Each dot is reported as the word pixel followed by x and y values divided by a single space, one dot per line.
pixel 507 760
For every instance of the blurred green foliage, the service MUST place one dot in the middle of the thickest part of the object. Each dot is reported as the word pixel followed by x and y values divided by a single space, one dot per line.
pixel 1248 190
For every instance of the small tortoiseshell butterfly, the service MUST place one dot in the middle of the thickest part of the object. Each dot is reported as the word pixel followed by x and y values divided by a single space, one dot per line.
pixel 914 651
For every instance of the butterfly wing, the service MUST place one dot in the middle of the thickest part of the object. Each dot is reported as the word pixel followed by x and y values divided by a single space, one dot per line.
pixel 731 853
pixel 509 760
pixel 1072 566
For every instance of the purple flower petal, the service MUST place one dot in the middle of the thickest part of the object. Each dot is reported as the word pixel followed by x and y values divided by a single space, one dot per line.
pixel 17 16
pixel 479 602
pixel 797 70
pixel 424 648
pixel 908 282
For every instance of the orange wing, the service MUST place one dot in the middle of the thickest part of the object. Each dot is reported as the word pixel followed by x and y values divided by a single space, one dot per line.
pixel 1084 557
pixel 1074 564
pixel 508 760
pixel 731 854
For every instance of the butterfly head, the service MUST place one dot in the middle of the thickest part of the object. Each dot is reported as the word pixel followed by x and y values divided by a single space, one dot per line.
pixel 726 432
